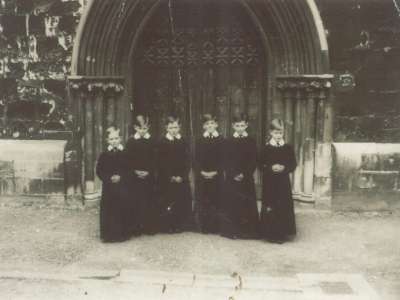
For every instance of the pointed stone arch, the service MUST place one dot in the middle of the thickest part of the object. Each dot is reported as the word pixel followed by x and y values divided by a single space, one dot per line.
pixel 296 52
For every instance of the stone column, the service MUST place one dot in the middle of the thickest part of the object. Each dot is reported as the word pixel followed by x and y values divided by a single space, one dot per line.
pixel 324 148
pixel 312 117
pixel 94 101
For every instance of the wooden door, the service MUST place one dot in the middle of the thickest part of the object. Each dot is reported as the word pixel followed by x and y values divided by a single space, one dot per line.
pixel 200 57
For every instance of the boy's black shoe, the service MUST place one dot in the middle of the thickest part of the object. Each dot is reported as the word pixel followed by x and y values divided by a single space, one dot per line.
pixel 115 240
pixel 230 236
pixel 276 241
pixel 175 230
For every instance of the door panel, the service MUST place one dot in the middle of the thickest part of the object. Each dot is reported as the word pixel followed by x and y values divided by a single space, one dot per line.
pixel 208 60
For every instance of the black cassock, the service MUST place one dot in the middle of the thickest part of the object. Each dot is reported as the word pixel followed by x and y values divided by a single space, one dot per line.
pixel 240 217
pixel 209 157
pixel 113 198
pixel 279 223
pixel 141 200
pixel 175 203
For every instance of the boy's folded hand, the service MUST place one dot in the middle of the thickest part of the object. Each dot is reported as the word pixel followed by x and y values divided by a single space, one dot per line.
pixel 115 178
pixel 277 168
pixel 204 174
pixel 239 177
pixel 209 175
pixel 176 179
pixel 141 174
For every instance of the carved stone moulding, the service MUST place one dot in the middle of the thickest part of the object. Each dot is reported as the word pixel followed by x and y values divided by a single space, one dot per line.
pixel 91 84
pixel 307 83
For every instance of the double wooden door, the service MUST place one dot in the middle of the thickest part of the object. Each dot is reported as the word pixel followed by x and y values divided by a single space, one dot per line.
pixel 197 57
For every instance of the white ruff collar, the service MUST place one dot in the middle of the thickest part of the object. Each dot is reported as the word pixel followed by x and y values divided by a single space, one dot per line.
pixel 137 136
pixel 171 138
pixel 119 147
pixel 274 143
pixel 243 135
pixel 213 134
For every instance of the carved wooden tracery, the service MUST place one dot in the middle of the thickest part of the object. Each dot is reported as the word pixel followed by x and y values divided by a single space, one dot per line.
pixel 194 47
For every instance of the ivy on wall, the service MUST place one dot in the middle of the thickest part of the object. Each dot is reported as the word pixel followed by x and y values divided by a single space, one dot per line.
pixel 36 38
pixel 364 41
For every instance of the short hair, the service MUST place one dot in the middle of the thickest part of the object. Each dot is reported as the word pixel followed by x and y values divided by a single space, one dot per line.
pixel 240 117
pixel 112 129
pixel 277 124
pixel 141 120
pixel 209 117
pixel 172 119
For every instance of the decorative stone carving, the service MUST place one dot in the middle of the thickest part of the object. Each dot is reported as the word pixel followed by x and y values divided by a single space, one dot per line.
pixel 305 86
pixel 88 84
pixel 33 111
pixel 305 82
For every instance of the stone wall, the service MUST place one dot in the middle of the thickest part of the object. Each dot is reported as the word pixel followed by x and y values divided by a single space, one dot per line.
pixel 36 39
pixel 366 175
pixel 364 45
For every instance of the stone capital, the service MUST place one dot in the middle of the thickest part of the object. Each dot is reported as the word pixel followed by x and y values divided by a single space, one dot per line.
pixel 96 84
pixel 308 83
pixel 304 86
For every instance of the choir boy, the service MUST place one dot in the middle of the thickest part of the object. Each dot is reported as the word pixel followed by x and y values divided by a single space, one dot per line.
pixel 239 209
pixel 111 169
pixel 209 158
pixel 173 178
pixel 277 162
pixel 141 157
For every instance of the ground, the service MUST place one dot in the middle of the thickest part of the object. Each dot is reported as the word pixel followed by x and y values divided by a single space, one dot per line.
pixel 56 253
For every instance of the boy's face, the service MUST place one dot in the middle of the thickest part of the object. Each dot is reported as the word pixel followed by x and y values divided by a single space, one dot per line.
pixel 277 134
pixel 114 139
pixel 142 130
pixel 240 127
pixel 173 128
pixel 210 126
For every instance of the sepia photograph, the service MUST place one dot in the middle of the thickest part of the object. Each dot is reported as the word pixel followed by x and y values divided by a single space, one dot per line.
pixel 200 149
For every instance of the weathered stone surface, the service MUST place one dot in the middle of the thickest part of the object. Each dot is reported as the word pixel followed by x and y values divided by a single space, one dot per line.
pixel 364 43
pixel 35 53
pixel 362 169
pixel 29 167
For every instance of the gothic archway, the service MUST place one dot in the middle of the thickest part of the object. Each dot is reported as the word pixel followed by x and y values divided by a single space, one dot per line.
pixel 297 86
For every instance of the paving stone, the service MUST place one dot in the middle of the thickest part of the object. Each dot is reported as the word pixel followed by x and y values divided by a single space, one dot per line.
pixel 187 286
